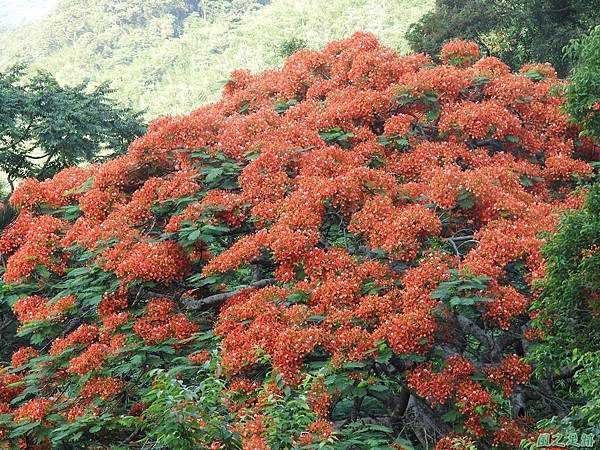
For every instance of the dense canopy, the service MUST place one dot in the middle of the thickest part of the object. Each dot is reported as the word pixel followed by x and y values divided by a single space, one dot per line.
pixel 517 31
pixel 342 252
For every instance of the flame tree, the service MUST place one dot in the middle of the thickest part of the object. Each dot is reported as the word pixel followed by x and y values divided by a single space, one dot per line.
pixel 338 254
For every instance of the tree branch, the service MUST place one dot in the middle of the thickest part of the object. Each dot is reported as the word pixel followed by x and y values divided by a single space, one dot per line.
pixel 462 240
pixel 566 372
pixel 494 143
pixel 24 134
pixel 428 428
pixel 468 326
pixel 218 299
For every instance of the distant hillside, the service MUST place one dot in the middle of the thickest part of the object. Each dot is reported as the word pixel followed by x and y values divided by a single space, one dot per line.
pixel 169 56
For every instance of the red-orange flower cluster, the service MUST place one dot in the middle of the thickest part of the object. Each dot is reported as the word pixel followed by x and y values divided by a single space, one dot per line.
pixel 35 410
pixel 160 323
pixel 382 211
pixel 36 307
pixel 512 371
pixel 463 53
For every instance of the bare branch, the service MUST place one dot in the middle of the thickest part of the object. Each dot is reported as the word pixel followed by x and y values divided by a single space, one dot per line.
pixel 461 240
pixel 494 143
pixel 566 372
pixel 218 299
pixel 468 326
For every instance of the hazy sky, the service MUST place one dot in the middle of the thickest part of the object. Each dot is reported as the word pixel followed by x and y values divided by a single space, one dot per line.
pixel 16 12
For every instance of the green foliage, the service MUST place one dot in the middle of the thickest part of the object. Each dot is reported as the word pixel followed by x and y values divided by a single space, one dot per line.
pixel 289 414
pixel 450 20
pixel 169 56
pixel 583 91
pixel 45 127
pixel 368 435
pixel 185 405
pixel 179 415
pixel 8 331
pixel 462 291
pixel 518 32
pixel 7 214
pixel 569 316
pixel 337 136
pixel 290 46
pixel 218 171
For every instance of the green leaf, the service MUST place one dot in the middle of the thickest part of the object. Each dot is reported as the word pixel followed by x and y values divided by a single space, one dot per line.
pixel 24 429
pixel 465 199
pixel 194 235
pixel 525 181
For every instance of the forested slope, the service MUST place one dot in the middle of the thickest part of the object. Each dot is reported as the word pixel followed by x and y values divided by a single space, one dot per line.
pixel 169 56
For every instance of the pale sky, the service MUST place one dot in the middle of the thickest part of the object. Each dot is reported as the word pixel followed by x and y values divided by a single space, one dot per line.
pixel 17 12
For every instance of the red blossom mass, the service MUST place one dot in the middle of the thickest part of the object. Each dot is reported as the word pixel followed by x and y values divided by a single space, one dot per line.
pixel 345 189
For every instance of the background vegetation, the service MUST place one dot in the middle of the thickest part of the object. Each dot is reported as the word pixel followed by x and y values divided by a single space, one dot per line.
pixel 46 127
pixel 583 91
pixel 169 56
pixel 517 31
